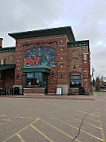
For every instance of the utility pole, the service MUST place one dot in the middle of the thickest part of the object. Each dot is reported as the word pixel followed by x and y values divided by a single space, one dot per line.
pixel 92 81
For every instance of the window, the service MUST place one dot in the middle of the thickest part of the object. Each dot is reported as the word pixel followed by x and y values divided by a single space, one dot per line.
pixel 30 75
pixel 85 56
pixel 34 79
pixel 75 81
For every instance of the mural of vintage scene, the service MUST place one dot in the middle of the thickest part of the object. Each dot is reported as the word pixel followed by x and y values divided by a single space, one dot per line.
pixel 40 57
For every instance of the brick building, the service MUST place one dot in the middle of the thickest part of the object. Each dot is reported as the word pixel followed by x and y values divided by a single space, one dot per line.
pixel 45 62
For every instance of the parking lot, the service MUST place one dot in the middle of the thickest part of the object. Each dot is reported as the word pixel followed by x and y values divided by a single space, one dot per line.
pixel 52 120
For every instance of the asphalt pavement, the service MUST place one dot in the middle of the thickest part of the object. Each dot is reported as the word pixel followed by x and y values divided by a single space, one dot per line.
pixel 53 118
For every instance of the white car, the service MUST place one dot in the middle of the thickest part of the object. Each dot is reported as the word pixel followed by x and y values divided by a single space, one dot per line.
pixel 104 89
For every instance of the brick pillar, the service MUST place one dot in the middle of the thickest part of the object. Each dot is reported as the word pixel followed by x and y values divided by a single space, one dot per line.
pixel 63 78
pixel 1 39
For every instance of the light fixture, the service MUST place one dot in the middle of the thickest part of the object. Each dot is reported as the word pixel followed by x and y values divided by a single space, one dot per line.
pixel 74 66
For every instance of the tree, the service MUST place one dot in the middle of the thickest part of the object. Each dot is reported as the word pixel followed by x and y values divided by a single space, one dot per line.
pixel 94 82
pixel 97 84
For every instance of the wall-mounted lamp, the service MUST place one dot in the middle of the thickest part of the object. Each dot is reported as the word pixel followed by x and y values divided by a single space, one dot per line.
pixel 38 43
pixel 74 66
pixel 52 73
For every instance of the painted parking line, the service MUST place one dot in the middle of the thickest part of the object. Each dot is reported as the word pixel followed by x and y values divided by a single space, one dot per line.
pixel 3 115
pixel 84 112
pixel 76 110
pixel 102 138
pixel 21 117
pixel 20 137
pixel 37 119
pixel 90 124
pixel 8 120
pixel 85 122
pixel 59 130
pixel 4 120
pixel 87 133
pixel 89 118
pixel 102 131
pixel 41 133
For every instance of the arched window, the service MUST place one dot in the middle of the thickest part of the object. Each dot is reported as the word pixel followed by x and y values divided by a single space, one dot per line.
pixel 40 57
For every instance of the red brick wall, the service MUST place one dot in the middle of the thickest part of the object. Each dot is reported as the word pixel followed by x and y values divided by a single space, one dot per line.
pixel 8 75
pixel 78 66
pixel 34 90
pixel 59 43
pixel 1 42
pixel 66 59
pixel 9 57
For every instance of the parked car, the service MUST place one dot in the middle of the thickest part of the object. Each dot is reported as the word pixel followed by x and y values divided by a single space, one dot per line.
pixel 104 89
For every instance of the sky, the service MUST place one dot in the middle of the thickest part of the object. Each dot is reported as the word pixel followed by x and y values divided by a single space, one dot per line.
pixel 86 17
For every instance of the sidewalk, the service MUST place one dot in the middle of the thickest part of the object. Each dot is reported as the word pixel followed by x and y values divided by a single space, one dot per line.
pixel 69 97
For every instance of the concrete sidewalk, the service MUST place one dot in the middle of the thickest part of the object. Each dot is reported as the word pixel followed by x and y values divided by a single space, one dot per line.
pixel 96 95
pixel 69 97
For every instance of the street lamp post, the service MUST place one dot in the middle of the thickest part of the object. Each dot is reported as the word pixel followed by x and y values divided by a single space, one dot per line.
pixel 92 81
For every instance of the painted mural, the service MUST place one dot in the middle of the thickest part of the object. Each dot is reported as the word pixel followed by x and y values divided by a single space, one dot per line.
pixel 40 57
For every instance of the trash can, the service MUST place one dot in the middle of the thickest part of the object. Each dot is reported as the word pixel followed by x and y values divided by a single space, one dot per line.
pixel 81 91
pixel 16 90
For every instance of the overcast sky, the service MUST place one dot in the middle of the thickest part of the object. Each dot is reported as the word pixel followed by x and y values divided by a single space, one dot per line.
pixel 86 17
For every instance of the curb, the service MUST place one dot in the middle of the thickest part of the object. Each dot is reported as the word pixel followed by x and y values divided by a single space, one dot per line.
pixel 77 97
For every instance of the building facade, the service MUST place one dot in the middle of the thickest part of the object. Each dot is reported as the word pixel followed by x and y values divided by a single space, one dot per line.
pixel 47 61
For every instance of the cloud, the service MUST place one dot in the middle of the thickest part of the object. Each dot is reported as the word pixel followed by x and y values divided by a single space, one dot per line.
pixel 23 15
pixel 87 18
pixel 30 13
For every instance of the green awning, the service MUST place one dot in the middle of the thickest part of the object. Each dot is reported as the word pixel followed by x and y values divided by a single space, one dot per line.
pixel 25 70
pixel 9 66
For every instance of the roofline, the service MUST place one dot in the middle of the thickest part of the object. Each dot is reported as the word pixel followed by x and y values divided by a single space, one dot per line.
pixel 78 41
pixel 82 41
pixel 45 32
pixel 8 47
